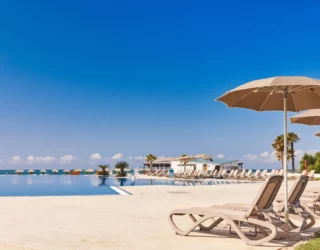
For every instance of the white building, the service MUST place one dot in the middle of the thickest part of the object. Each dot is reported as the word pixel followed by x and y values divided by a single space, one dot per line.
pixel 198 162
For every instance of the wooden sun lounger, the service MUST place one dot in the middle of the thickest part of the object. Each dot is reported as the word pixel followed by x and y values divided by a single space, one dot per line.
pixel 263 176
pixel 241 175
pixel 256 175
pixel 310 200
pixel 257 215
pixel 247 175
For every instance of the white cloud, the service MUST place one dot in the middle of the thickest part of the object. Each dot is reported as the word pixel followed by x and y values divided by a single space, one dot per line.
pixel 95 156
pixel 250 157
pixel 130 157
pixel 139 158
pixel 299 153
pixel 161 157
pixel 67 159
pixel 117 156
pixel 220 156
pixel 264 157
pixel 15 160
pixel 42 160
pixel 264 154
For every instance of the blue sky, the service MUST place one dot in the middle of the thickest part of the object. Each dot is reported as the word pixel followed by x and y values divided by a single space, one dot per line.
pixel 136 77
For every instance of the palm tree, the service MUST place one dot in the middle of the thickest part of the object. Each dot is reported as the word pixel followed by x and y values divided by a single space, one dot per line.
pixel 278 146
pixel 151 158
pixel 185 161
pixel 292 139
pixel 103 169
pixel 122 165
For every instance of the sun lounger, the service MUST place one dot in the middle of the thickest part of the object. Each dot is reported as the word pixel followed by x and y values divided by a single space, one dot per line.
pixel 185 174
pixel 256 175
pixel 218 173
pixel 273 172
pixel 202 174
pixel 241 175
pixel 221 174
pixel 256 216
pixel 247 175
pixel 228 175
pixel 311 175
pixel 189 174
pixel 263 176
pixel 310 200
pixel 297 210
pixel 209 173
pixel 196 175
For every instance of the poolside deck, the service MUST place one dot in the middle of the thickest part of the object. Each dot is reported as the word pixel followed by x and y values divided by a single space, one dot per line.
pixel 118 222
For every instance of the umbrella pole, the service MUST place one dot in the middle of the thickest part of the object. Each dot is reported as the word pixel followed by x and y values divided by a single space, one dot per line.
pixel 285 98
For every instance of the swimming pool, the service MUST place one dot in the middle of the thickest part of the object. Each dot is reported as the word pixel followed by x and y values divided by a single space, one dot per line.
pixel 49 185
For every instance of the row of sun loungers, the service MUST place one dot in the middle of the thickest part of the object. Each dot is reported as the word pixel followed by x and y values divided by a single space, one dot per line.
pixel 264 217
pixel 258 175
pixel 223 174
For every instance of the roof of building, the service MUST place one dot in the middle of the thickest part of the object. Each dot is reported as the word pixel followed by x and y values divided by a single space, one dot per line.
pixel 215 161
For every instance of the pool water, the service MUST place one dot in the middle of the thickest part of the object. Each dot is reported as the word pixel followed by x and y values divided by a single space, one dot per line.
pixel 66 185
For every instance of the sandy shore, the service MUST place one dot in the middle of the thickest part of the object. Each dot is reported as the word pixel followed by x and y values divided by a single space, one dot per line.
pixel 119 222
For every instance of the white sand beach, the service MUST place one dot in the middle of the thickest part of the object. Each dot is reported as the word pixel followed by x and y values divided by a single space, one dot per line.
pixel 138 221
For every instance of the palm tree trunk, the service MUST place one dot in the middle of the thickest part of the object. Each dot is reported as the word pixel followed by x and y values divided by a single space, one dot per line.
pixel 292 157
pixel 150 166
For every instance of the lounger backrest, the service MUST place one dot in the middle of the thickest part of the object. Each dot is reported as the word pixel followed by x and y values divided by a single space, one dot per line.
pixel 266 195
pixel 264 172
pixel 280 172
pixel 257 173
pixel 276 171
pixel 243 172
pixel 235 172
pixel 311 173
pixel 303 172
pixel 296 191
pixel 273 171
pixel 249 172
pixel 231 172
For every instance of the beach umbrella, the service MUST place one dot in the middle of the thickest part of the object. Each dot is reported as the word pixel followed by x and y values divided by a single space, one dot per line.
pixel 89 170
pixel 43 171
pixel 283 93
pixel 66 171
pixel 310 117
pixel 31 171
pixel 77 170
pixel 19 171
pixel 203 156
pixel 55 171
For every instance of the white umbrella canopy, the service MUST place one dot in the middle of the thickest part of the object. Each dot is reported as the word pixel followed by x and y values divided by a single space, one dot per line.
pixel 43 171
pixel 66 171
pixel 55 171
pixel 31 171
pixel 19 171
pixel 310 117
pixel 283 93
pixel 89 170
pixel 203 156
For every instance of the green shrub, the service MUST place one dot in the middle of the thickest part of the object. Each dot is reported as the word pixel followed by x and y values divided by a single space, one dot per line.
pixel 313 244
